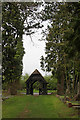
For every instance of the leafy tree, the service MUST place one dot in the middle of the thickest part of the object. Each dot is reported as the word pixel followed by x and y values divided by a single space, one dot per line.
pixel 15 15
pixel 52 82
pixel 37 85
pixel 61 45
pixel 13 50
pixel 23 80
pixel 73 42
pixel 55 58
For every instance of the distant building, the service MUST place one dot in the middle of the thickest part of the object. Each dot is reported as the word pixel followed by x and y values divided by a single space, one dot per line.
pixel 36 76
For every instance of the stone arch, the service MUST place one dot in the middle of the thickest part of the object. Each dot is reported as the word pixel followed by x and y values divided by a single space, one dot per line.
pixel 36 76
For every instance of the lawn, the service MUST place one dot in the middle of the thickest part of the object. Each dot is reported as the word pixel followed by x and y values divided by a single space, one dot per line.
pixel 37 91
pixel 48 91
pixel 46 106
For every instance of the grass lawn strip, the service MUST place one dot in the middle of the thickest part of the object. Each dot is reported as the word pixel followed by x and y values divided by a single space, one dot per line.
pixel 24 113
pixel 12 107
pixel 63 111
pixel 47 106
pixel 42 108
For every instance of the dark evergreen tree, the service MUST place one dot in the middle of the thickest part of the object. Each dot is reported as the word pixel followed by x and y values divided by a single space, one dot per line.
pixel 62 50
pixel 15 23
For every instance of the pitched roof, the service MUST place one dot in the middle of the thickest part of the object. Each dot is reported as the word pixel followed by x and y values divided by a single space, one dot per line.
pixel 36 72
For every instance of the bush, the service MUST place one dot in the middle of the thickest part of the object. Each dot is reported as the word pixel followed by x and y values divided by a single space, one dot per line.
pixel 23 80
pixel 52 82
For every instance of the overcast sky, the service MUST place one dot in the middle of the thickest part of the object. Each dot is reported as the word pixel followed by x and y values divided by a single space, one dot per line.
pixel 33 52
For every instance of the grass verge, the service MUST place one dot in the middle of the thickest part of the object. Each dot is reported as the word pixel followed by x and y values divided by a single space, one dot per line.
pixel 46 106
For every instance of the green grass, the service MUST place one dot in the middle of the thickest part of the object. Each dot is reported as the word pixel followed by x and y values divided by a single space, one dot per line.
pixel 47 106
pixel 36 91
pixel 75 102
pixel 52 91
pixel 49 91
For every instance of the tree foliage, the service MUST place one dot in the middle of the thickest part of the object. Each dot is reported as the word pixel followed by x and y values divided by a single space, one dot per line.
pixel 62 41
pixel 13 50
pixel 62 50
pixel 23 80
pixel 15 23
pixel 52 82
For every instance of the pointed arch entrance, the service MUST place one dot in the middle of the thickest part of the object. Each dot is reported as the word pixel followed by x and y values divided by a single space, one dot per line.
pixel 36 76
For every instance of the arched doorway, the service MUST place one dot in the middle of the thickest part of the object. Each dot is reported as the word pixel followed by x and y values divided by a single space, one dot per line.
pixel 37 86
pixel 36 76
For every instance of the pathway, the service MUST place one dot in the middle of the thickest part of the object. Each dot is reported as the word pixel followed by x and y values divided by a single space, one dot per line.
pixel 46 107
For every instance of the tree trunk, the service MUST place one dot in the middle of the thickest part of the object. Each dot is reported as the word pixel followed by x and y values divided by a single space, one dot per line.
pixel 13 88
pixel 60 86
